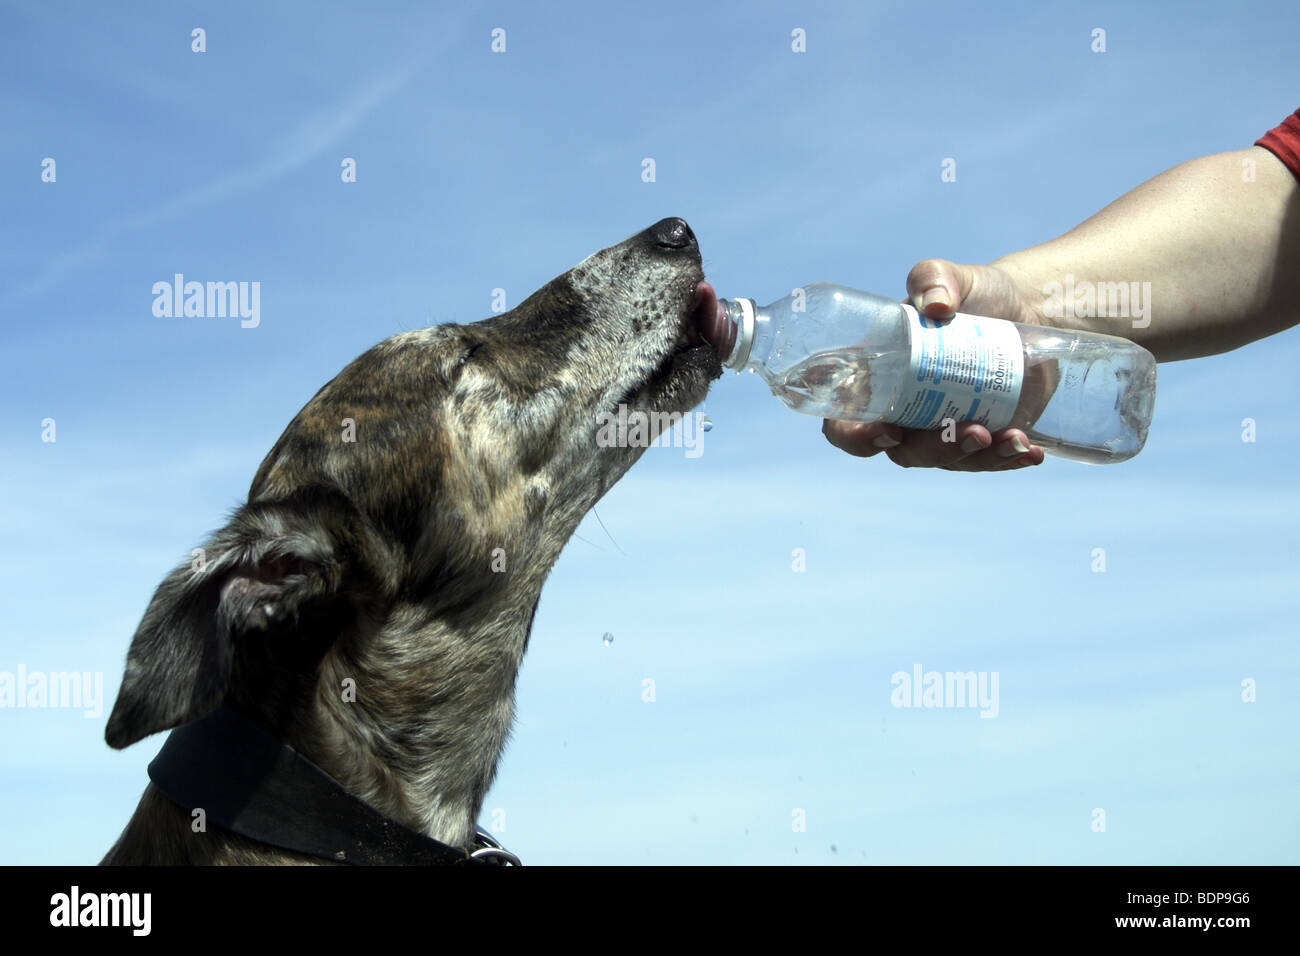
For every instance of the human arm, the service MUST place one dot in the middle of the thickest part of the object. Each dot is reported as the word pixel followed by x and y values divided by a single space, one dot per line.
pixel 1220 249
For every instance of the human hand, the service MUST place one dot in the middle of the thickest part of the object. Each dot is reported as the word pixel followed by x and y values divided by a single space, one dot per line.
pixel 938 288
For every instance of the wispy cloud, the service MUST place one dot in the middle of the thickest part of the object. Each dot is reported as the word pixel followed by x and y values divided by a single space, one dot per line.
pixel 315 133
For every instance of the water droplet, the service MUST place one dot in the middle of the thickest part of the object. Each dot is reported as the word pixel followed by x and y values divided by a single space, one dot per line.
pixel 608 639
pixel 833 849
pixel 706 423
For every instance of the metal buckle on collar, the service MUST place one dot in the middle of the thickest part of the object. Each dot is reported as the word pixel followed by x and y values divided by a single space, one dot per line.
pixel 490 851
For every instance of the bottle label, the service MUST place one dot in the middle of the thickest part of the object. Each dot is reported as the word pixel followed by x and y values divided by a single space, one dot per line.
pixel 966 368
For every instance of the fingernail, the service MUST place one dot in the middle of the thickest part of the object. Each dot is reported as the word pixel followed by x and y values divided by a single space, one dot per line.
pixel 884 441
pixel 972 444
pixel 1027 460
pixel 936 296
pixel 1012 446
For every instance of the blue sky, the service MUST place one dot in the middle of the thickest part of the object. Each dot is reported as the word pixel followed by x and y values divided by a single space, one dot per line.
pixel 1118 691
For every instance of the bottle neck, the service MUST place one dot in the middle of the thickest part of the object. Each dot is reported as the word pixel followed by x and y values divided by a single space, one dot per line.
pixel 742 317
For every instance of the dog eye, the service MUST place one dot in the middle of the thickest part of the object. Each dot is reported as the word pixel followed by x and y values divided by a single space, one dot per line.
pixel 468 354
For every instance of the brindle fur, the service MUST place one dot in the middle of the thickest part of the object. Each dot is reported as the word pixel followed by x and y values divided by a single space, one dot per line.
pixel 373 559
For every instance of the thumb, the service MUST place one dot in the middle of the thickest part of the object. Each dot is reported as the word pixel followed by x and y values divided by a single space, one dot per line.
pixel 937 287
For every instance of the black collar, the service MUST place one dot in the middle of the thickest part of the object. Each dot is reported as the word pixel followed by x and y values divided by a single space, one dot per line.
pixel 252 783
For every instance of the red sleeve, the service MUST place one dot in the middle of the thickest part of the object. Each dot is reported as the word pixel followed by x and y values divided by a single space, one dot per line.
pixel 1284 143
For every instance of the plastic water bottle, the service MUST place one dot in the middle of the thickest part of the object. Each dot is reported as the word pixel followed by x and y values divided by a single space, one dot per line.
pixel 835 352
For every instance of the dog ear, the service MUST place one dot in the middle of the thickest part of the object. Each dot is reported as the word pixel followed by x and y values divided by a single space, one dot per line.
pixel 273 561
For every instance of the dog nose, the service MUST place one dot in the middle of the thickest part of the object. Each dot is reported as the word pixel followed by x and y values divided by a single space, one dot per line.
pixel 672 233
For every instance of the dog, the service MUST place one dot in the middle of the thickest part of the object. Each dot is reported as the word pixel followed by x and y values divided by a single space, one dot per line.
pixel 361 620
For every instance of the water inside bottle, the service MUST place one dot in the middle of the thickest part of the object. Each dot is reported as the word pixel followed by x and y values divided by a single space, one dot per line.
pixel 828 384
pixel 836 384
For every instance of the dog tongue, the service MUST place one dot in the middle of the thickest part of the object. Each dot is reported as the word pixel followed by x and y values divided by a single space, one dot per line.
pixel 712 320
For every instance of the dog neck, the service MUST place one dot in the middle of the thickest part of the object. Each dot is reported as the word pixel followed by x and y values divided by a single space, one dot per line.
pixel 410 712
pixel 413 718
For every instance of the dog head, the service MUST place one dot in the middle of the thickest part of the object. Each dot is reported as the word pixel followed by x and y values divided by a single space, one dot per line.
pixel 429 487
